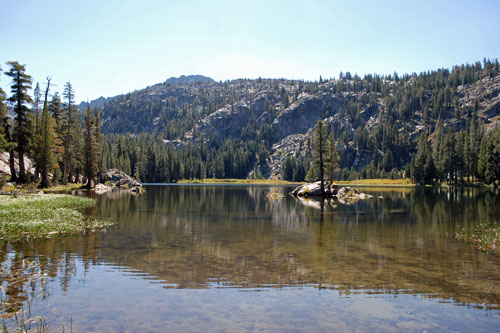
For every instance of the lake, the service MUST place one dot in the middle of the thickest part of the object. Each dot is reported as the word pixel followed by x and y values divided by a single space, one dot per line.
pixel 196 258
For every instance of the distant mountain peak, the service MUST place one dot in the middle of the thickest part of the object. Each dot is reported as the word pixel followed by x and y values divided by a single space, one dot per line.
pixel 189 79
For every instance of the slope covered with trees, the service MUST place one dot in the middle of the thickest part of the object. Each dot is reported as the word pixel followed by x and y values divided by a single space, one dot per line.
pixel 427 126
pixel 52 133
pixel 436 126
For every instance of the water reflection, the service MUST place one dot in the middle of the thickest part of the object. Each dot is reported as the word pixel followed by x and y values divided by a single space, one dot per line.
pixel 204 237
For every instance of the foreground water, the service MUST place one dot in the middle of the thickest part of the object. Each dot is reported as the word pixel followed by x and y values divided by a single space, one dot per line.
pixel 227 258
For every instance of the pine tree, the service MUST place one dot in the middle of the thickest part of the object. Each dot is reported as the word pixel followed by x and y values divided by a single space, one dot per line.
pixel 332 159
pixel 489 158
pixel 3 122
pixel 99 142
pixel 287 169
pixel 91 148
pixel 45 158
pixel 72 136
pixel 5 133
pixel 311 175
pixel 418 161
pixel 23 132
pixel 37 101
pixel 4 126
pixel 449 156
pixel 57 114
pixel 319 152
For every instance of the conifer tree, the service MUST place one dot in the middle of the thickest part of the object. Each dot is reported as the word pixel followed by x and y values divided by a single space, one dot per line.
pixel 418 161
pixel 72 135
pixel 23 134
pixel 332 158
pixel 3 119
pixel 319 145
pixel 37 101
pixel 46 159
pixel 5 133
pixel 311 175
pixel 489 158
pixel 57 114
pixel 91 147
pixel 449 156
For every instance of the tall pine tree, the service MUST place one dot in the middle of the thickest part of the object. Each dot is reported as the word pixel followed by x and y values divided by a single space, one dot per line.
pixel 319 150
pixel 46 142
pixel 23 131
pixel 91 135
pixel 332 158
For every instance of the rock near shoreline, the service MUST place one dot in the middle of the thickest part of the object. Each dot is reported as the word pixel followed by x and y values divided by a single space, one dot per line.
pixel 119 181
pixel 332 190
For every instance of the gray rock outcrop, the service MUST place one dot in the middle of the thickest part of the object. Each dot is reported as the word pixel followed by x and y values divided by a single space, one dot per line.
pixel 5 166
pixel 303 115
pixel 120 180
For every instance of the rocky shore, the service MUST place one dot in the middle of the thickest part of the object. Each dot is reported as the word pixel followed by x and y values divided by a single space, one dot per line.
pixel 115 179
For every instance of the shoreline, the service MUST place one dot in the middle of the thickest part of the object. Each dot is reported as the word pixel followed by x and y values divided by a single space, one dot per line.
pixel 375 182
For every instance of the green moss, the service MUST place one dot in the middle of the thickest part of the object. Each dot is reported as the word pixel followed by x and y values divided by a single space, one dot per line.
pixel 39 216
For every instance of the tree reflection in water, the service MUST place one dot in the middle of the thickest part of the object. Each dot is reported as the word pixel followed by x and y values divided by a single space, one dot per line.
pixel 399 242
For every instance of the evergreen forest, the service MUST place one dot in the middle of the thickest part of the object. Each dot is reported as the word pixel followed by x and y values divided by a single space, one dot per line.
pixel 433 127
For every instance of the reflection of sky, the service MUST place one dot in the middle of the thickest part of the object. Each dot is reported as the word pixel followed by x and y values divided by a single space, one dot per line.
pixel 109 298
pixel 210 256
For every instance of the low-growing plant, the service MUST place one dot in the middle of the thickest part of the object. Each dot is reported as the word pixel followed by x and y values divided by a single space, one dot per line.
pixel 3 180
pixel 38 216
pixel 485 237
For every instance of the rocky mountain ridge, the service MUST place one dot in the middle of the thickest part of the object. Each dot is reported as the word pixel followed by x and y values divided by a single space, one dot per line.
pixel 390 111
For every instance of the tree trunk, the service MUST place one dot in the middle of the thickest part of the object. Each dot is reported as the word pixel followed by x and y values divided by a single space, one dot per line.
pixel 22 172
pixel 12 164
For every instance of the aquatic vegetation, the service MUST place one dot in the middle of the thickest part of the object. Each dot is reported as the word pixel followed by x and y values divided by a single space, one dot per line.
pixel 22 281
pixel 485 237
pixel 38 216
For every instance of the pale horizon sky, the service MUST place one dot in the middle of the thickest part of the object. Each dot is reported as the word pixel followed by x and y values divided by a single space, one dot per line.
pixel 107 48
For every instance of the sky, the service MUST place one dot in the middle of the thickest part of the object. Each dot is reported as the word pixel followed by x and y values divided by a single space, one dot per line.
pixel 111 47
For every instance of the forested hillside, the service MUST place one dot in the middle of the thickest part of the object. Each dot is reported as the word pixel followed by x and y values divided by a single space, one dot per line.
pixel 432 127
pixel 428 126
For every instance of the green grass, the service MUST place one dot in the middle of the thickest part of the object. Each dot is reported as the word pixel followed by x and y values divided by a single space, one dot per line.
pixel 40 216
pixel 67 187
pixel 236 181
pixel 377 181
pixel 392 182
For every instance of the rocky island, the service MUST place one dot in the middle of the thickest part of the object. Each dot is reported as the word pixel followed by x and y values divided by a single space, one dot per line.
pixel 344 194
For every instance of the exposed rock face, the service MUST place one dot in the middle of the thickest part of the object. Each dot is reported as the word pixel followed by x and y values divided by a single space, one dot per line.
pixel 343 195
pixel 302 115
pixel 232 118
pixel 487 91
pixel 5 166
pixel 121 180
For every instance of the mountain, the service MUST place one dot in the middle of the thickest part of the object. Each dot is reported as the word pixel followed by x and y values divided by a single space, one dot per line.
pixel 96 103
pixel 376 119
pixel 189 79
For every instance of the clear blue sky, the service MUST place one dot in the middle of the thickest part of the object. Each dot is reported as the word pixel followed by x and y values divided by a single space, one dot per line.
pixel 109 47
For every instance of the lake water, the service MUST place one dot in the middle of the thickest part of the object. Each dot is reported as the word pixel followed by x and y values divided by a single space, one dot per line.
pixel 227 258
